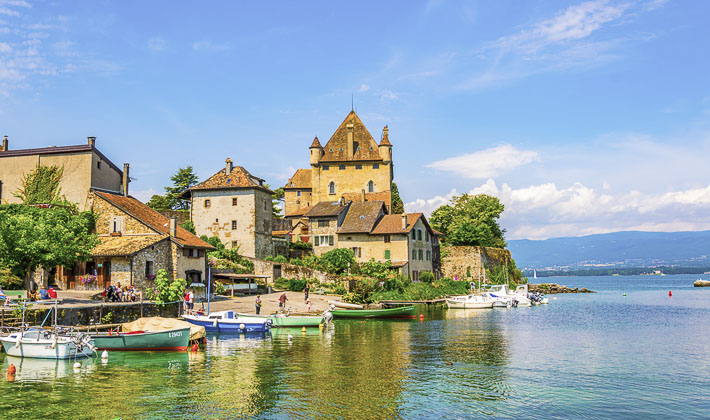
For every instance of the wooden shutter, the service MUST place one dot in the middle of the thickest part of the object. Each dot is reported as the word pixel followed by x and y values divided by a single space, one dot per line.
pixel 317 240
pixel 330 240
pixel 387 254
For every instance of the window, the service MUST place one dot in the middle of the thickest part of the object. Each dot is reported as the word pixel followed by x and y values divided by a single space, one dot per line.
pixel 266 204
pixel 370 186
pixel 323 240
pixel 326 167
pixel 414 254
pixel 341 149
pixel 428 255
pixel 331 188
pixel 387 254
pixel 414 234
pixel 235 244
pixel 116 225
pixel 98 165
pixel 388 239
pixel 419 234
pixel 421 255
pixel 298 193
pixel 375 166
pixel 267 228
pixel 207 203
pixel 323 223
pixel 357 251
pixel 330 240
pixel 358 166
pixel 148 268
pixel 298 202
pixel 234 225
pixel 234 201
pixel 342 167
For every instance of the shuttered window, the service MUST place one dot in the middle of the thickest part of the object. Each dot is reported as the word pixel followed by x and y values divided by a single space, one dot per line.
pixel 387 254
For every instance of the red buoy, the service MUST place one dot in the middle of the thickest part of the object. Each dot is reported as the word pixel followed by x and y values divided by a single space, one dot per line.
pixel 670 294
pixel 11 369
pixel 195 347
pixel 421 317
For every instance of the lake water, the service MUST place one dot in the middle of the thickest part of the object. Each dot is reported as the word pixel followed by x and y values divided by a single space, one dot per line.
pixel 602 355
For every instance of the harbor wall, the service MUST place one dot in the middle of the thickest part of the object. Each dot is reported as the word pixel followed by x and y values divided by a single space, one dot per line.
pixel 467 262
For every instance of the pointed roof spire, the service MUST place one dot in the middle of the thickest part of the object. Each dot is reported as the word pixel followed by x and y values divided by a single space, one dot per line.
pixel 385 137
pixel 316 143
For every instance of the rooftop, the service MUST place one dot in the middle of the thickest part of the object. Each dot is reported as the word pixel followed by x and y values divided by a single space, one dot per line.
pixel 301 179
pixel 391 224
pixel 56 150
pixel 327 208
pixel 238 177
pixel 364 146
pixel 362 216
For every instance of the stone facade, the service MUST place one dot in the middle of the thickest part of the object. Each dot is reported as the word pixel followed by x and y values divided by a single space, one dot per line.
pixel 468 262
pixel 324 234
pixel 347 178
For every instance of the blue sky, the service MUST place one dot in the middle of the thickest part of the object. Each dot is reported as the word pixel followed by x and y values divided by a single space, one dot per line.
pixel 583 117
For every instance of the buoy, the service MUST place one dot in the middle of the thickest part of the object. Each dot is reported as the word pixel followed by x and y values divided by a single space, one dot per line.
pixel 624 294
pixel 320 326
pixel 449 363
pixel 290 337
pixel 242 326
pixel 104 355
pixel 77 365
pixel 421 317
pixel 11 369
pixel 670 294
pixel 303 329
pixel 195 347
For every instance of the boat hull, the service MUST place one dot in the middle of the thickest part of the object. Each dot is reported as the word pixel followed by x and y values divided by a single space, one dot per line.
pixel 43 348
pixel 233 325
pixel 282 321
pixel 403 312
pixel 170 340
pixel 469 302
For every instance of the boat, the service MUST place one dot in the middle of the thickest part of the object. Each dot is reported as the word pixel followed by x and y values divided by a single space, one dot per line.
pixel 169 340
pixel 401 312
pixel 229 321
pixel 39 343
pixel 469 302
pixel 339 304
pixel 500 295
pixel 286 320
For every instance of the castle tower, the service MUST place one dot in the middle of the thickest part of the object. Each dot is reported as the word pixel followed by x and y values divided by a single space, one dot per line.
pixel 316 151
pixel 385 146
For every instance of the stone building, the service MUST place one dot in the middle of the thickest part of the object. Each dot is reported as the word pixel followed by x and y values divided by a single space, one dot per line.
pixel 135 242
pixel 324 219
pixel 85 168
pixel 350 162
pixel 234 206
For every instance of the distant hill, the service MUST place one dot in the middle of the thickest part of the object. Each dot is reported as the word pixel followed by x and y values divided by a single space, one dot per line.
pixel 618 249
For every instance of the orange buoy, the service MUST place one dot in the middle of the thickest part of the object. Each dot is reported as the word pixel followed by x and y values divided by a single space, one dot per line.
pixel 670 294
pixel 11 370
pixel 195 347
pixel 421 317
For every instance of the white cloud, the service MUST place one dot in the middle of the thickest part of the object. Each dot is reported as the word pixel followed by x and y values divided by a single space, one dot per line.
pixel 364 88
pixel 486 163
pixel 388 95
pixel 143 195
pixel 157 44
pixel 208 46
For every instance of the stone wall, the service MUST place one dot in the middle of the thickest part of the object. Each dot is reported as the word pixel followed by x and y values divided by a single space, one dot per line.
pixel 349 180
pixel 461 260
pixel 90 315
pixel 290 271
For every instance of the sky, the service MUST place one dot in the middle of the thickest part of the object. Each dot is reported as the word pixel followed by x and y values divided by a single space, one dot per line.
pixel 583 117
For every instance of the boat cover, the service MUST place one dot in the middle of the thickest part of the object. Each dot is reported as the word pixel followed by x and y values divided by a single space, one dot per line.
pixel 156 323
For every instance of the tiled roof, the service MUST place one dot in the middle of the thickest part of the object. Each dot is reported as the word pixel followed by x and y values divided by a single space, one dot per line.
pixel 391 224
pixel 385 196
pixel 316 143
pixel 301 179
pixel 60 150
pixel 336 148
pixel 280 232
pixel 437 233
pixel 238 178
pixel 300 212
pixel 385 137
pixel 326 208
pixel 153 219
pixel 362 216
pixel 119 246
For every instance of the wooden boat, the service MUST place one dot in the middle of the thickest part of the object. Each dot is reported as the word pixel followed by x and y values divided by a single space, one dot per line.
pixel 339 304
pixel 168 340
pixel 229 322
pixel 286 320
pixel 42 344
pixel 469 302
pixel 402 312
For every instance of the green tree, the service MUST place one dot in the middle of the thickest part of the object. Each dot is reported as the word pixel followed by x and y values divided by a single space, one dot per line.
pixel 167 291
pixel 189 226
pixel 41 186
pixel 183 179
pixel 338 260
pixel 31 237
pixel 159 202
pixel 276 198
pixel 470 220
pixel 397 204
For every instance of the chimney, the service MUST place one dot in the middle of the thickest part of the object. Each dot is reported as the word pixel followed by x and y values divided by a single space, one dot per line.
pixel 363 195
pixel 229 166
pixel 350 128
pixel 404 221
pixel 126 179
pixel 4 144
pixel 92 141
pixel 173 226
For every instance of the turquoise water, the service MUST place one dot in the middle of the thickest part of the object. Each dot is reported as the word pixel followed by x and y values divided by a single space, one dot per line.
pixel 602 355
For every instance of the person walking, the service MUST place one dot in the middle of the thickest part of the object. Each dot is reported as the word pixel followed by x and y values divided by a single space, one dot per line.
pixel 258 304
pixel 282 301
pixel 190 299
pixel 306 290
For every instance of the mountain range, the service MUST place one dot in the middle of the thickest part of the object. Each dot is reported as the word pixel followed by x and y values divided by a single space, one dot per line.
pixel 617 249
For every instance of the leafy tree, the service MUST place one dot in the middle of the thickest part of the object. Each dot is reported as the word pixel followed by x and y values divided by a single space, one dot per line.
pixel 31 237
pixel 159 202
pixel 183 179
pixel 338 260
pixel 9 280
pixel 189 226
pixel 375 269
pixel 470 220
pixel 276 198
pixel 41 186
pixel 167 291
pixel 397 204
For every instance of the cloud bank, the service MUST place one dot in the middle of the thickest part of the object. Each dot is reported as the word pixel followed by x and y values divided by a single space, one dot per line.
pixel 486 163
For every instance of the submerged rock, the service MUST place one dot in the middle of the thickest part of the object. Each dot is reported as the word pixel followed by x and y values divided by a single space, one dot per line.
pixel 701 283
pixel 554 288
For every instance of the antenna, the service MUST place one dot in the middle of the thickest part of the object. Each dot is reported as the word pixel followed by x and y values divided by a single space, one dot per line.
pixel 352 102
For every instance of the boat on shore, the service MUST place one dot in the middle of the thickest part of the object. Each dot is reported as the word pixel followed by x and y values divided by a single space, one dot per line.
pixel 169 340
pixel 39 343
pixel 230 322
pixel 402 312
pixel 469 302
pixel 287 320
pixel 339 304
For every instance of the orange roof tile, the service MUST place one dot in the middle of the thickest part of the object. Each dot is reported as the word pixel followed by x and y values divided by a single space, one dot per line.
pixel 238 178
pixel 119 246
pixel 391 224
pixel 364 146
pixel 299 212
pixel 385 196
pixel 316 143
pixel 153 219
pixel 300 179
pixel 362 216
pixel 327 208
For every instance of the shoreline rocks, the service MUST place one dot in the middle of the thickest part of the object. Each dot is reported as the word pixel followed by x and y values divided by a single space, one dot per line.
pixel 701 283
pixel 554 288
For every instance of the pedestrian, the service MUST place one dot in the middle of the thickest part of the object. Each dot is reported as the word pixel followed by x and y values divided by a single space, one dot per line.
pixel 282 301
pixel 306 290
pixel 190 301
pixel 309 305
pixel 258 304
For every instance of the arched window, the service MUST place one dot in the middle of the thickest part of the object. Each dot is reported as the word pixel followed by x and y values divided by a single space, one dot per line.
pixel 331 187
pixel 370 186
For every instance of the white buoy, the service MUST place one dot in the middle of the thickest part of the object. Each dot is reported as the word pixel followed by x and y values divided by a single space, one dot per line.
pixel 104 355
pixel 242 326
pixel 290 337
pixel 77 365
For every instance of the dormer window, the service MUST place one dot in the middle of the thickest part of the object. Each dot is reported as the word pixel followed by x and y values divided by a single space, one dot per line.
pixel 358 166
pixel 342 167
pixel 375 166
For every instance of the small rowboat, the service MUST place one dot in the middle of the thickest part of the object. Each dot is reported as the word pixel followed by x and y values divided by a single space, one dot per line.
pixel 285 321
pixel 339 304
pixel 469 302
pixel 403 312
pixel 230 322
pixel 169 340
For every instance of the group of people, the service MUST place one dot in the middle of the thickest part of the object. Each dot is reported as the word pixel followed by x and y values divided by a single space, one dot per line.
pixel 120 294
pixel 283 298
pixel 189 300
pixel 43 294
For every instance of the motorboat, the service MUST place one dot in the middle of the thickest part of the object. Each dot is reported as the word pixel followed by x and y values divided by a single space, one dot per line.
pixel 285 320
pixel 39 343
pixel 469 302
pixel 229 321
pixel 500 295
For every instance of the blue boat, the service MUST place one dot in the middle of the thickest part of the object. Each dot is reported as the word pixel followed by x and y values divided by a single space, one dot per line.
pixel 229 322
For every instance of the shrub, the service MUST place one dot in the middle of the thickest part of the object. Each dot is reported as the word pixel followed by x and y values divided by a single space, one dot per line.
pixel 363 291
pixel 313 262
pixel 300 245
pixel 280 259
pixel 167 291
pixel 269 258
pixel 297 285
pixel 219 289
pixel 281 283
pixel 376 269
pixel 189 226
pixel 296 261
pixel 338 261
pixel 426 277
pixel 10 281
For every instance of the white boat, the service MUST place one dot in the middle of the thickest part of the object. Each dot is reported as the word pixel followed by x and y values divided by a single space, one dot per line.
pixel 500 295
pixel 230 321
pixel 41 344
pixel 469 302
pixel 339 304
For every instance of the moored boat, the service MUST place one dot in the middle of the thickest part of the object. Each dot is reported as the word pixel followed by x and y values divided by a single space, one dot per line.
pixel 286 320
pixel 402 312
pixel 469 302
pixel 168 340
pixel 229 321
pixel 339 304
pixel 42 344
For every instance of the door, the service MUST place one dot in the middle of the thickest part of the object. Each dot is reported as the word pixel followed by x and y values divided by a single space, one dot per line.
pixel 106 274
